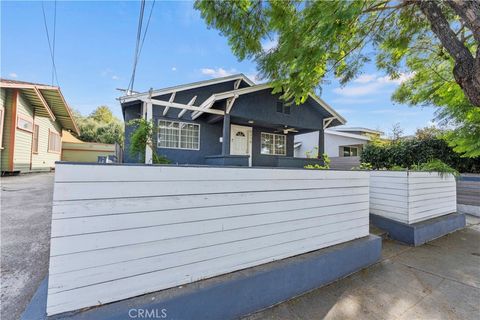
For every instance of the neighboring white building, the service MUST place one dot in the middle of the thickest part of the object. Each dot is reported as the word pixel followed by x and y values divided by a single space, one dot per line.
pixel 339 141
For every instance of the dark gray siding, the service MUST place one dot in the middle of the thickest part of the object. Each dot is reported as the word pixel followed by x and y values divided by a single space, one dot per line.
pixel 209 138
pixel 130 113
pixel 262 105
pixel 258 106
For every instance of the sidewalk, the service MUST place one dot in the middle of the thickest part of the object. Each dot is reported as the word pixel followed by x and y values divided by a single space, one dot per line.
pixel 439 280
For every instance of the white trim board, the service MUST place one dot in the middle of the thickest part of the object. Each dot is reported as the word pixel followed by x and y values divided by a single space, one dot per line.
pixel 184 87
pixel 348 135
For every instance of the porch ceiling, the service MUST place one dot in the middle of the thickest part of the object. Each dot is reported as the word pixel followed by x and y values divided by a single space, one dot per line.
pixel 269 125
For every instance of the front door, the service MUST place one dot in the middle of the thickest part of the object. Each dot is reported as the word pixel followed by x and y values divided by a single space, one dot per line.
pixel 241 141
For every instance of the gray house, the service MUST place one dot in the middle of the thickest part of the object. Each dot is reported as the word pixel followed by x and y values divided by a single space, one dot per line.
pixel 227 121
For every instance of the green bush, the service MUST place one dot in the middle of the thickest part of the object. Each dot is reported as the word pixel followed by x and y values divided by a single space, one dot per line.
pixel 411 152
pixel 325 166
pixel 435 165
pixel 141 137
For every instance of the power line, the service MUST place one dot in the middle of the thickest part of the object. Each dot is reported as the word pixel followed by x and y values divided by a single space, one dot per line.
pixel 140 40
pixel 54 33
pixel 54 68
pixel 146 28
pixel 137 46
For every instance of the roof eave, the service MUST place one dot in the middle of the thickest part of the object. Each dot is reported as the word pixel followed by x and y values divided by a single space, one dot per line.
pixel 139 96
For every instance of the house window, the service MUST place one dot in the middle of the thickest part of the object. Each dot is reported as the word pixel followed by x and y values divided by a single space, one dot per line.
pixel 36 129
pixel 24 123
pixel 273 144
pixel 178 135
pixel 350 151
pixel 54 142
pixel 283 108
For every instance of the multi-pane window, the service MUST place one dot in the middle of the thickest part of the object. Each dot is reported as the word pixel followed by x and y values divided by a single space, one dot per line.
pixel 273 144
pixel 350 151
pixel 54 142
pixel 178 135
pixel 36 130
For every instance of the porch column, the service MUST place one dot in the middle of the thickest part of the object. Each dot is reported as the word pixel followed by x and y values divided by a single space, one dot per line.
pixel 226 135
pixel 321 143
pixel 148 116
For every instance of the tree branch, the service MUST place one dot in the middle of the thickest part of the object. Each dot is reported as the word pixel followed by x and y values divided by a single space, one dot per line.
pixel 379 7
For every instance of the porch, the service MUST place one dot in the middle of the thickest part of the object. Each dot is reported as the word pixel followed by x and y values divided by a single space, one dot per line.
pixel 250 142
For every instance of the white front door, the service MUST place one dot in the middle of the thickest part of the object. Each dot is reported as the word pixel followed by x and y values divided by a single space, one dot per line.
pixel 241 141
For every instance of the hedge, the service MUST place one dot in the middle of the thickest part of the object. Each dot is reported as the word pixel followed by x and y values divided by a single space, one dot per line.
pixel 406 153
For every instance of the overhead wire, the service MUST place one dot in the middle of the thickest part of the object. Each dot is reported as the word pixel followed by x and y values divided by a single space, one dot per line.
pixel 54 67
pixel 140 40
pixel 137 46
pixel 54 34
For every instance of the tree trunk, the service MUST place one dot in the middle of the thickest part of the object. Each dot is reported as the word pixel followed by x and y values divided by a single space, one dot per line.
pixel 467 68
pixel 469 11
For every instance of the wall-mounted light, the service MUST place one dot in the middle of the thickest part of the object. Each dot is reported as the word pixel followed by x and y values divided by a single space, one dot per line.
pixel 250 121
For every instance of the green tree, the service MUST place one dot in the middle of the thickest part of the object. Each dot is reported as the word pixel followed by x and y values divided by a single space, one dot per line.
pixel 317 38
pixel 100 126
pixel 103 114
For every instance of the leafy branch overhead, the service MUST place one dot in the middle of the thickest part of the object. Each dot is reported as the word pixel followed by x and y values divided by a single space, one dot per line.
pixel 435 43
pixel 321 36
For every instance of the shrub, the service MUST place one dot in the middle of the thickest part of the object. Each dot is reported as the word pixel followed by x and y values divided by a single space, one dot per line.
pixel 325 166
pixel 407 153
pixel 436 165
pixel 141 137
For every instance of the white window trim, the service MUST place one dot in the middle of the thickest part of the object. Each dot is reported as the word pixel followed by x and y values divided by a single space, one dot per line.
pixel 180 123
pixel 50 132
pixel 274 148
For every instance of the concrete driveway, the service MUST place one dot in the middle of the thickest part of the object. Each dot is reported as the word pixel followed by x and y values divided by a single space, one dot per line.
pixel 26 203
pixel 440 280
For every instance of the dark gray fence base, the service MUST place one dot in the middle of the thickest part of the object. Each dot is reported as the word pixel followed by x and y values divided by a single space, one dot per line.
pixel 243 292
pixel 419 233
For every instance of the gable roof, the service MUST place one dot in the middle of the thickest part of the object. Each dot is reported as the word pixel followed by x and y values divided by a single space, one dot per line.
pixel 259 87
pixel 187 86
pixel 208 103
pixel 48 101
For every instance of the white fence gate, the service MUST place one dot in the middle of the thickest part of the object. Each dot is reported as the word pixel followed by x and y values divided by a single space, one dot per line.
pixel 120 231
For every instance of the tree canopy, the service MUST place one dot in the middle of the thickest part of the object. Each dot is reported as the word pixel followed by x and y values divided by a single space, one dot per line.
pixel 434 42
pixel 100 126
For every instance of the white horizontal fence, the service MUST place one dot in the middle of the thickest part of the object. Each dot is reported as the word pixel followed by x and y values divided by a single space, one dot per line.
pixel 411 197
pixel 123 231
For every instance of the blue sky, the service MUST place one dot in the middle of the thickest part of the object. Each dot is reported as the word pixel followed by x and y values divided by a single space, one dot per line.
pixel 95 43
